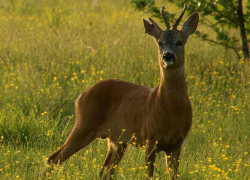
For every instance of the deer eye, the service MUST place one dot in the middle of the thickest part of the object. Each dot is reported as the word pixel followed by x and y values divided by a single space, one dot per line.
pixel 160 43
pixel 178 43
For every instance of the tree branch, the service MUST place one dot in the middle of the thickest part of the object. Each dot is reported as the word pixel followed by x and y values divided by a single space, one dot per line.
pixel 235 49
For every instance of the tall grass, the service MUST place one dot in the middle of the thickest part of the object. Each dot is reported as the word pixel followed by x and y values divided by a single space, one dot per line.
pixel 50 51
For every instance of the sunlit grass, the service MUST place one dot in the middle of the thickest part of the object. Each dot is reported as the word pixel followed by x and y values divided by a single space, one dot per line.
pixel 50 51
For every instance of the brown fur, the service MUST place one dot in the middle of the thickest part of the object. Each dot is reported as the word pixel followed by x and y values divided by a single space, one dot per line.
pixel 159 118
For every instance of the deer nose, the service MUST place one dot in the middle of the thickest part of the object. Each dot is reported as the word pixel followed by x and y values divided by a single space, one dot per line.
pixel 168 56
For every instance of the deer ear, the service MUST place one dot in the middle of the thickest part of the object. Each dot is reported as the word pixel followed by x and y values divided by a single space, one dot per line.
pixel 152 29
pixel 190 25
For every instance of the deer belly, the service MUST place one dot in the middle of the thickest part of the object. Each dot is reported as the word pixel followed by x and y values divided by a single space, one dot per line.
pixel 169 142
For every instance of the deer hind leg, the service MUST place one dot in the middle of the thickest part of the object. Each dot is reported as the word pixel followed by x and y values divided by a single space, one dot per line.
pixel 78 139
pixel 172 161
pixel 114 155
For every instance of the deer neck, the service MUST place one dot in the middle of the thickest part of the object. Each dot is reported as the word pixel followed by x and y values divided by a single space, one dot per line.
pixel 173 80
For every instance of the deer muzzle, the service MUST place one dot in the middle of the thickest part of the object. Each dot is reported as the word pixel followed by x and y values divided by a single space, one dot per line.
pixel 168 58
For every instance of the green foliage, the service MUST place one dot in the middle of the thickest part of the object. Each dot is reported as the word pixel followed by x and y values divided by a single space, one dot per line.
pixel 220 16
pixel 150 6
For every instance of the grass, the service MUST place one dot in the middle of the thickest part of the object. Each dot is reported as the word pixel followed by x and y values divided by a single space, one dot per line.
pixel 50 51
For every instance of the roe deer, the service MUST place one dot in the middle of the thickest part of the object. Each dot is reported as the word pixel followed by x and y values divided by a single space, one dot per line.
pixel 159 118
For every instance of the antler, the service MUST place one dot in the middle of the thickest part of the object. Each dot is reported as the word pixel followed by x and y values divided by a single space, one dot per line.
pixel 165 18
pixel 179 18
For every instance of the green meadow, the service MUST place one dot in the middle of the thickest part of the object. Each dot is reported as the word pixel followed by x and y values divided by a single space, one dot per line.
pixel 50 51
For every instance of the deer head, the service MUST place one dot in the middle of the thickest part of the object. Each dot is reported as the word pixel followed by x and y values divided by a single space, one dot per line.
pixel 171 43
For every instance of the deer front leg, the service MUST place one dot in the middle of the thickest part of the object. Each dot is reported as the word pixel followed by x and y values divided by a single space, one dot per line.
pixel 172 162
pixel 150 160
